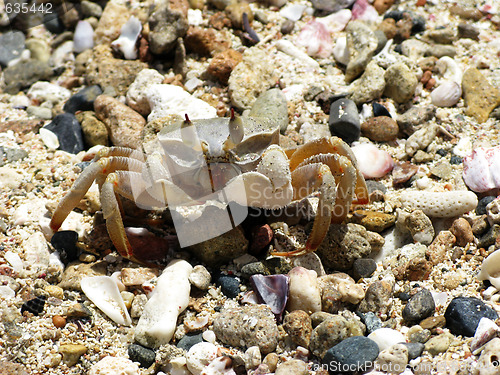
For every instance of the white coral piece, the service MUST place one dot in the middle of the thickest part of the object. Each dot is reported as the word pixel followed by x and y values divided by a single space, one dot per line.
pixel 440 204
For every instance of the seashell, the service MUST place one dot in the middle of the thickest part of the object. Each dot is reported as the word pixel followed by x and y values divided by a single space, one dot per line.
pixel 197 323
pixel 337 21
pixel 315 37
pixel 485 331
pixel 6 292
pixel 287 47
pixel 104 293
pixel 482 169
pixel 447 94
pixel 126 43
pixel 440 204
pixel 493 211
pixel 490 269
pixel 49 139
pixel 83 38
pixel 293 12
pixel 449 69
pixel 340 51
pixel 372 162
pixel 271 290
pixel 35 305
pixel 14 260
pixel 363 11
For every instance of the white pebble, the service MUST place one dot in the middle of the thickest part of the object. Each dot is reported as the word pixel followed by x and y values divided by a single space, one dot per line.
pixel 293 12
pixel 423 183
pixel 340 51
pixel 114 365
pixel 6 292
pixel 46 91
pixel 14 260
pixel 386 337
pixel 200 277
pixel 167 100
pixel 62 54
pixel 195 17
pixel 126 43
pixel 304 293
pixel 83 38
pixel 170 297
pixel 447 94
pixel 136 96
pixel 199 356
pixel 49 139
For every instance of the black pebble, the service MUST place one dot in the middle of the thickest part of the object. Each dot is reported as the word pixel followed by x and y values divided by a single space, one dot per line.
pixel 138 353
pixel 68 131
pixel 464 313
pixel 454 159
pixel 363 268
pixel 287 26
pixel 34 306
pixel 65 243
pixel 355 353
pixel 53 23
pixel 229 285
pixel 380 110
pixel 404 296
pixel 83 100
pixel 441 152
pixel 419 307
pixel 344 120
pixel 189 340
pixel 418 22
pixel 483 202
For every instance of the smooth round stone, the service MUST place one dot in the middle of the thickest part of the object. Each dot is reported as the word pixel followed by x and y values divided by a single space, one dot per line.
pixel 380 129
pixel 351 355
pixel 11 46
pixel 380 110
pixel 141 354
pixel 415 349
pixel 344 120
pixel 483 202
pixel 363 268
pixel 24 74
pixel 68 131
pixel 65 243
pixel 14 154
pixel 189 340
pixel 39 112
pixel 419 307
pixel 83 100
pixel 386 337
pixel 464 313
pixel 229 285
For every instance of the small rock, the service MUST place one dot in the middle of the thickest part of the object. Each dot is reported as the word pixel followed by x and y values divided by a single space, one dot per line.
pixel 124 124
pixel 65 243
pixel 462 231
pixel 136 94
pixel 189 340
pixel 71 353
pixel 401 83
pixel 439 344
pixel 304 292
pixel 354 352
pixel 83 100
pixel 488 361
pixel 370 86
pixel 310 261
pixel 442 36
pixel 420 227
pixel 24 74
pixel 380 129
pixel 223 63
pixel 90 9
pixel 373 221
pixel 271 104
pixel 464 313
pixel 230 285
pixel 442 169
pixel 440 50
pixel 246 326
pixel 206 42
pixel 420 306
pixel 489 237
pixel 378 298
pixel 466 13
pixel 363 268
pixel 235 12
pixel 433 322
pixel 138 353
pixel 110 23
pixel 12 43
pixel 35 305
pixel 412 119
pixel 386 337
pixel 467 30
pixel 339 289
pixel 292 367
pixel 344 120
pixel 402 172
pixel 200 277
pixel 68 131
pixel 415 349
pixel 328 6
pixel 39 112
pixel 114 365
pixel 447 94
pixel 362 43
pixel 480 96
pixel 199 357
pixel 48 92
pixel 138 304
pixel 134 277
pixel 393 360
pixel 440 248
pixel 78 311
pixel 299 327
pixel 370 320
pixel 329 333
pixel 94 130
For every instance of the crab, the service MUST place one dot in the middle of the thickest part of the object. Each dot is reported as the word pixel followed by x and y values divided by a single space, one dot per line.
pixel 225 164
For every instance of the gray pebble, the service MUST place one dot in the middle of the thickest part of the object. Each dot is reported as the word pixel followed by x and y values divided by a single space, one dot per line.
pixel 141 354
pixel 11 46
pixel 362 268
pixel 39 112
pixel 415 349
pixel 271 105
pixel 189 340
pixel 419 307
pixel 344 120
pixel 371 321
pixel 356 352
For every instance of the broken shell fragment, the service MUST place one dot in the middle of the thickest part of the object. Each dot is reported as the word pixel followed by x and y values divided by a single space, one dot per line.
pixel 104 293
pixel 490 269
pixel 440 204
pixel 482 169
pixel 271 290
pixel 372 162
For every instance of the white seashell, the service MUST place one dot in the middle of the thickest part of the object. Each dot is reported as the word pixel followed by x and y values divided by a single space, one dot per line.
pixel 340 51
pixel 485 331
pixel 449 69
pixel 170 297
pixel 83 38
pixel 117 278
pixel 482 169
pixel 372 162
pixel 287 47
pixel 199 356
pixel 209 336
pixel 447 94
pixel 386 337
pixel 490 269
pixel 440 204
pixel 126 43
pixel 14 260
pixel 315 37
pixel 337 21
pixel 493 211
pixel 104 293
pixel 197 323
pixel 293 12
pixel 49 139
pixel 6 292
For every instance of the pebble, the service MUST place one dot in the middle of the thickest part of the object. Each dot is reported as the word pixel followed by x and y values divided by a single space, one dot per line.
pixel 356 353
pixel 24 74
pixel 380 129
pixel 304 293
pixel 415 349
pixel 83 100
pixel 370 86
pixel 68 131
pixel 386 337
pixel 199 357
pixel 401 83
pixel 393 360
pixel 292 367
pixel 329 333
pixel 447 94
pixel 442 169
pixel 464 313
pixel 246 326
pixel 466 30
pixel 344 120
pixel 158 321
pixel 48 92
pixel 462 231
pixel 83 37
pixel 272 290
pixel 403 172
pixel 419 307
pixel 113 17
pixel 341 52
pixel 167 100
pixel 12 43
pixel 58 321
pixel 78 311
pixel 363 268
pixel 94 130
pixel 310 261
pixel 138 353
pixel 71 353
pixel 362 10
pixel 440 248
pixel 114 365
pixel 90 9
pixel 65 243
pixel 200 277
pixel 361 43
pixel 297 324
pixel 372 161
pixel 327 6
pixel 342 286
pixel 189 340
pixel 206 42
pixel 124 124
pixel 438 344
pixel 251 77
pixel 271 104
pixel 136 94
pixel 420 227
pixel 370 320
pixel 261 237
pixel 414 117
pixel 230 285
pixel 316 39
pixel 378 298
pixel 480 96
pixel 223 63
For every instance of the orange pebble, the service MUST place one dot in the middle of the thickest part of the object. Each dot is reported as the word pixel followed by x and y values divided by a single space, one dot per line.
pixel 59 321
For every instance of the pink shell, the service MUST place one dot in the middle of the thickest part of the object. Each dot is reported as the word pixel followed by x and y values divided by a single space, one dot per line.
pixel 482 169
pixel 362 10
pixel 316 38
pixel 372 162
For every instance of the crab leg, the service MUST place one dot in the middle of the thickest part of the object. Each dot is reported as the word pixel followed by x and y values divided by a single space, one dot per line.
pixel 305 178
pixel 84 181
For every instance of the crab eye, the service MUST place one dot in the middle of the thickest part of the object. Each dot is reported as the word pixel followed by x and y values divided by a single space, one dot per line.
pixel 236 131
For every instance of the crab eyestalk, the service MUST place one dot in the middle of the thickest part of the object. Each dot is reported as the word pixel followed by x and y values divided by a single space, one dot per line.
pixel 189 135
pixel 236 131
